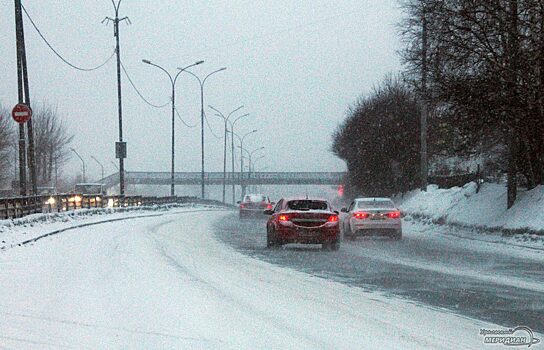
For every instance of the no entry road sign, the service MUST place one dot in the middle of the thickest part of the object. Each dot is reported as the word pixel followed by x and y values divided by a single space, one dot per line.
pixel 21 113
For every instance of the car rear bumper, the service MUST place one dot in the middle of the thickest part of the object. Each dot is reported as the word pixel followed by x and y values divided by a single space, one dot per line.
pixel 308 235
pixel 377 228
pixel 251 211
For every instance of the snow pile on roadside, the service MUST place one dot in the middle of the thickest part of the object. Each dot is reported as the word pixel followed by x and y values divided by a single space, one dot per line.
pixel 486 209
pixel 15 231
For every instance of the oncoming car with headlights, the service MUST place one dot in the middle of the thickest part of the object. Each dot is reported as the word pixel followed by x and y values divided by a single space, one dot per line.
pixel 307 221
pixel 372 216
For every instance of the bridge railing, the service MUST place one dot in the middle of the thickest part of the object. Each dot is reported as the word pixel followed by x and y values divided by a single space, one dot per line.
pixel 192 178
pixel 17 207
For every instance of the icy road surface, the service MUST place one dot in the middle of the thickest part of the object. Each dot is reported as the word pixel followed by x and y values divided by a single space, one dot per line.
pixel 432 264
pixel 168 282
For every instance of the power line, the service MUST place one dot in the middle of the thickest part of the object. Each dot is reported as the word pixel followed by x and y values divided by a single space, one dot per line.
pixel 281 31
pixel 183 121
pixel 210 128
pixel 58 54
pixel 138 91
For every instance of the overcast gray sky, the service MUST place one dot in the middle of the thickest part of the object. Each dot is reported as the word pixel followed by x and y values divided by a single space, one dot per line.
pixel 295 65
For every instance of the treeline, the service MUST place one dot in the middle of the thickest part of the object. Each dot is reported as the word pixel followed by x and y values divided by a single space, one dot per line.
pixel 478 66
pixel 51 140
pixel 379 141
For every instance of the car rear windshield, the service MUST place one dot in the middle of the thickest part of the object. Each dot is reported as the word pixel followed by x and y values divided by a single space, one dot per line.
pixel 375 204
pixel 307 204
pixel 254 198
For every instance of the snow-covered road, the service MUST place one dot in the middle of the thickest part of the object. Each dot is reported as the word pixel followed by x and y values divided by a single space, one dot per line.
pixel 167 282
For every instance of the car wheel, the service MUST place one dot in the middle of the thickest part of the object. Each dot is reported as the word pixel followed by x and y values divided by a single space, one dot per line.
pixel 270 240
pixel 349 234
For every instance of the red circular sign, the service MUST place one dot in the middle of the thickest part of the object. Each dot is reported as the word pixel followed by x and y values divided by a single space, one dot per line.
pixel 21 113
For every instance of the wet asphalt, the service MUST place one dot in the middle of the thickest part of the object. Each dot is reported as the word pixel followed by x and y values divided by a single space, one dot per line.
pixel 416 268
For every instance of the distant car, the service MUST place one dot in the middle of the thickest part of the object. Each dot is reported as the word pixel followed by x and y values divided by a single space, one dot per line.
pixel 253 205
pixel 307 221
pixel 372 216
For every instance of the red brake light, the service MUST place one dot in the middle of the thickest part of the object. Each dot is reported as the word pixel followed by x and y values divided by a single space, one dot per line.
pixel 241 206
pixel 361 215
pixel 333 218
pixel 283 217
pixel 269 206
pixel 393 215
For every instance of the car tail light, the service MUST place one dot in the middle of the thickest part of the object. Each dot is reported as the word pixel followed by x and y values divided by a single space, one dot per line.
pixel 333 218
pixel 242 206
pixel 283 217
pixel 393 215
pixel 361 215
pixel 269 206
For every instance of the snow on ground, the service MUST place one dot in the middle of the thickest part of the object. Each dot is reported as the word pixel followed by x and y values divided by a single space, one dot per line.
pixel 15 231
pixel 484 210
pixel 166 282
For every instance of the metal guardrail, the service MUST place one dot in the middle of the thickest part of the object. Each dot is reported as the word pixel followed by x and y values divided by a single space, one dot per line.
pixel 18 207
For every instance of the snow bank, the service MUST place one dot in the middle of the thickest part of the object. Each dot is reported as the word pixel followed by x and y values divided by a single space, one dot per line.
pixel 486 209
pixel 13 232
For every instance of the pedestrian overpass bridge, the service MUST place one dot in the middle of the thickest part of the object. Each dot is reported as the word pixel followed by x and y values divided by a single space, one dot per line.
pixel 236 178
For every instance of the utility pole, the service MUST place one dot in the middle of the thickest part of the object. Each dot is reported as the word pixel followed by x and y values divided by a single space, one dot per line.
pixel 424 169
pixel 120 146
pixel 24 98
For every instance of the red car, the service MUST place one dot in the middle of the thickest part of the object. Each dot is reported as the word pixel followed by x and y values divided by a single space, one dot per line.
pixel 308 221
pixel 253 205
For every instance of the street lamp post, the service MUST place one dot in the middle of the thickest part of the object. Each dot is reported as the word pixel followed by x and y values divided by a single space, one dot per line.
pixel 202 82
pixel 250 158
pixel 253 166
pixel 232 124
pixel 101 167
pixel 241 139
pixel 173 98
pixel 226 120
pixel 82 162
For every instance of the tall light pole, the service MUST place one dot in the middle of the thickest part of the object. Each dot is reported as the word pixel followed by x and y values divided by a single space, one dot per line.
pixel 120 147
pixel 101 167
pixel 232 124
pixel 226 120
pixel 173 98
pixel 250 158
pixel 241 139
pixel 252 170
pixel 82 162
pixel 202 82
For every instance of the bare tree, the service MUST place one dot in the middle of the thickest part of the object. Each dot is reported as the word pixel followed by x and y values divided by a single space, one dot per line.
pixel 51 142
pixel 486 67
pixel 6 141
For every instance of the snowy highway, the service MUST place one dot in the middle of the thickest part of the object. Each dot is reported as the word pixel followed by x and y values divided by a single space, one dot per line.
pixel 204 280
pixel 432 264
